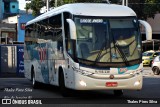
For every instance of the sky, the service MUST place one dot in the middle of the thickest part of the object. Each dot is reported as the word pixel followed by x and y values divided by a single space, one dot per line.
pixel 22 4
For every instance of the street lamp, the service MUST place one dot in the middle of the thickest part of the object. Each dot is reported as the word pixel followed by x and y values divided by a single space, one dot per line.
pixel 47 4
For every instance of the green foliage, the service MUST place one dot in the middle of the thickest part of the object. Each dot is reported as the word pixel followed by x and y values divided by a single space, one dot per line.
pixel 137 6
pixel 145 8
pixel 35 5
pixel 27 7
pixel 151 8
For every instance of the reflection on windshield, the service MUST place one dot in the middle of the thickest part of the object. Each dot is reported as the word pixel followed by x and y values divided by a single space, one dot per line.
pixel 108 40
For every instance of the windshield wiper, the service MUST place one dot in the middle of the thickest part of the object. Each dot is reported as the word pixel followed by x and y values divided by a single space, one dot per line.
pixel 102 48
pixel 116 45
pixel 100 52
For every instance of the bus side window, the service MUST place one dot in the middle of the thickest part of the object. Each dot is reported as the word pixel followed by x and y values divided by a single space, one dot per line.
pixel 68 41
pixel 59 40
pixel 70 48
pixel 69 45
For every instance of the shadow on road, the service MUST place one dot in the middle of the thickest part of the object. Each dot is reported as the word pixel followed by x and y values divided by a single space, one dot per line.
pixel 87 95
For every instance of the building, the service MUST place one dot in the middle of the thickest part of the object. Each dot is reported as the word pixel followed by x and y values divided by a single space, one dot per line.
pixel 10 8
pixel 1 9
pixel 155 23
pixel 8 26
pixel 8 33
pixel 12 21
pixel 22 20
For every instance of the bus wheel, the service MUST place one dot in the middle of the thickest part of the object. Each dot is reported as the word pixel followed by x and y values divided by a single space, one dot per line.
pixel 34 82
pixel 63 89
pixel 118 92
pixel 156 71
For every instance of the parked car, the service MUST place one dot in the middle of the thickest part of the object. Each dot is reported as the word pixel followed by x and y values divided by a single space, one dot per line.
pixel 156 65
pixel 148 56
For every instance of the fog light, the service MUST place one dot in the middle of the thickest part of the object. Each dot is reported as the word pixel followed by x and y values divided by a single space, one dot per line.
pixel 82 83
pixel 137 83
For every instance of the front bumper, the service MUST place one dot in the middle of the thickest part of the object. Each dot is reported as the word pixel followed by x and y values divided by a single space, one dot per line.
pixel 100 84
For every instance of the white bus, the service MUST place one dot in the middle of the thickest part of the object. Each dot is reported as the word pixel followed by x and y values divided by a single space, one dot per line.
pixel 85 46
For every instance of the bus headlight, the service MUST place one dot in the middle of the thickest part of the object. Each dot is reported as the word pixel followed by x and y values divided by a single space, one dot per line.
pixel 82 72
pixel 82 83
pixel 137 83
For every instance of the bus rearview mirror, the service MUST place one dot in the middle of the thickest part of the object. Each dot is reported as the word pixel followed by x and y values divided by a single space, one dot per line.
pixel 148 29
pixel 72 29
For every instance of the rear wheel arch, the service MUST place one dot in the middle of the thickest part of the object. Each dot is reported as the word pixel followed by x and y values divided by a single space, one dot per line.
pixel 64 90
pixel 35 84
pixel 60 72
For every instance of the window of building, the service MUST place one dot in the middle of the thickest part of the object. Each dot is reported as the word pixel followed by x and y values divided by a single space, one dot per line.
pixel 13 6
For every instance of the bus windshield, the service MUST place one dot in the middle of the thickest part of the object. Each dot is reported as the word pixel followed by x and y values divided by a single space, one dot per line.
pixel 106 40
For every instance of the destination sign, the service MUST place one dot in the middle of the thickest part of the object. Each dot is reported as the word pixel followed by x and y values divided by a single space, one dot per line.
pixel 91 20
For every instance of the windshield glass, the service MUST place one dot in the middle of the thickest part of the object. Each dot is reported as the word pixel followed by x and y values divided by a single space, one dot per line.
pixel 107 39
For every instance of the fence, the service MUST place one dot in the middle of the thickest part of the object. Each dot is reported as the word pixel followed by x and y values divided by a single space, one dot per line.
pixel 11 61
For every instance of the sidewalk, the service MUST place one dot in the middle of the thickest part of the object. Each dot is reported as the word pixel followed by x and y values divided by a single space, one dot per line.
pixel 10 75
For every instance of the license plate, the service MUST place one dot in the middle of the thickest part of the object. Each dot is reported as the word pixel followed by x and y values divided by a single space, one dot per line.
pixel 111 84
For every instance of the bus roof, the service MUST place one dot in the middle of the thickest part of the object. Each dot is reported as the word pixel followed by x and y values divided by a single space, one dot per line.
pixel 88 9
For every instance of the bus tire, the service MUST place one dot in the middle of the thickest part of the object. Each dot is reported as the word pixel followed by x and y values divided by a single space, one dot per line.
pixel 34 82
pixel 156 70
pixel 64 91
pixel 118 92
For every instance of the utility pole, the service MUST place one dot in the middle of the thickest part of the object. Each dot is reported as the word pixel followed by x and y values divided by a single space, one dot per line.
pixel 125 2
pixel 55 5
pixel 47 5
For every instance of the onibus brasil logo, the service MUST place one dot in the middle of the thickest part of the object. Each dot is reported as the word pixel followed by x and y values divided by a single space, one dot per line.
pixel 20 101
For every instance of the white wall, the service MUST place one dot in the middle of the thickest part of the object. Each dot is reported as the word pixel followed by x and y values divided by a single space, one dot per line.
pixel 11 20
pixel 22 4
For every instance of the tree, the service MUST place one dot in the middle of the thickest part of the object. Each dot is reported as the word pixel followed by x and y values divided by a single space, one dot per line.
pixel 145 8
pixel 137 6
pixel 27 7
pixel 151 7
pixel 35 5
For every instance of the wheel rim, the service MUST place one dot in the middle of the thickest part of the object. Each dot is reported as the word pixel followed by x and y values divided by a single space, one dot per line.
pixel 156 70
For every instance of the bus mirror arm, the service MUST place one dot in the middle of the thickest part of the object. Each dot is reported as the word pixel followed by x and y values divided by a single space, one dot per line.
pixel 72 28
pixel 148 29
